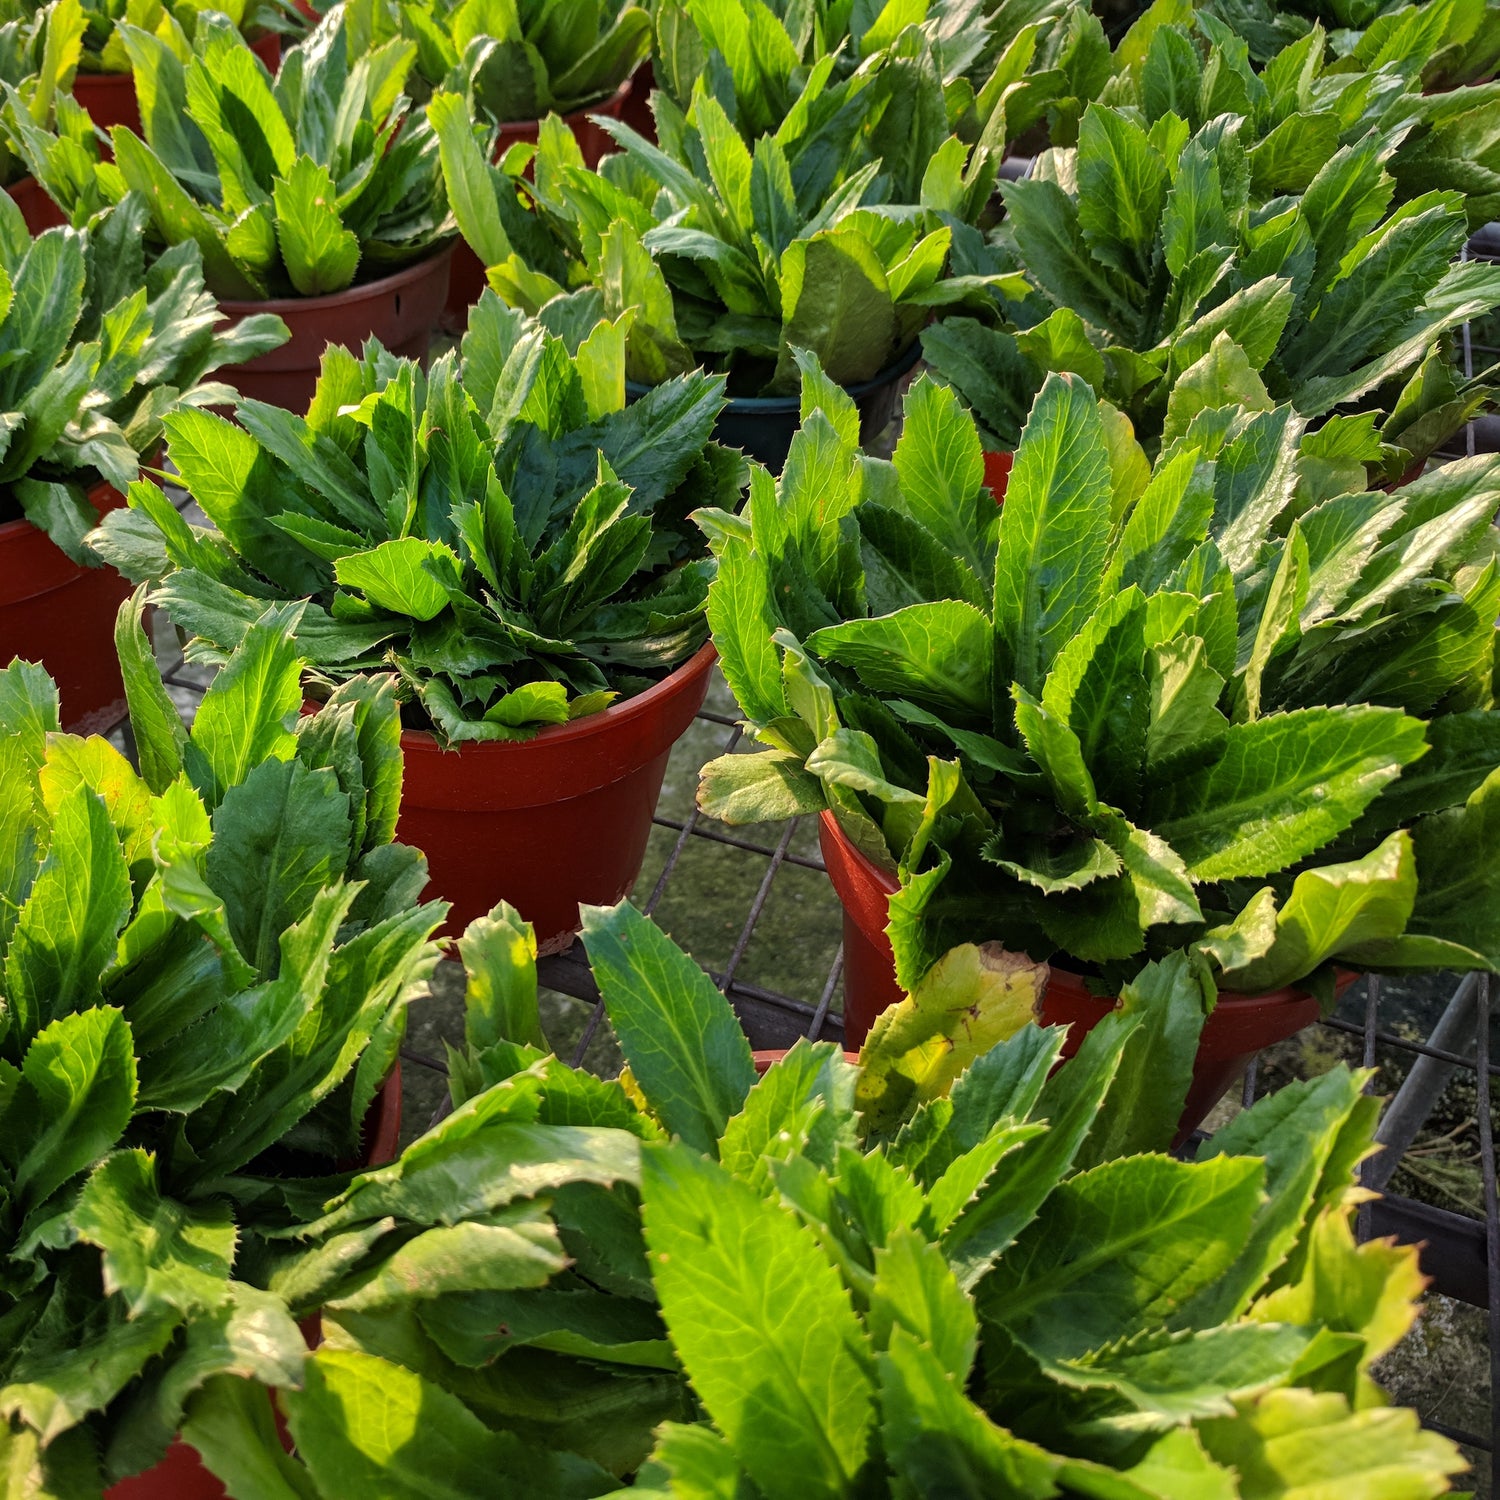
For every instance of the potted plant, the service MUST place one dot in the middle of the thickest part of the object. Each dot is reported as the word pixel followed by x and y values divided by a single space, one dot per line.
pixel 101 347
pixel 511 541
pixel 38 54
pixel 1068 723
pixel 799 1272
pixel 318 199
pixel 106 84
pixel 1129 301
pixel 992 73
pixel 1451 44
pixel 728 270
pixel 207 967
pixel 575 61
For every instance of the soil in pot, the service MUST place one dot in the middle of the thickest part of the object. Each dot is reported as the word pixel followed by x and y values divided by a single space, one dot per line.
pixel 37 209
pixel 63 615
pixel 401 310
pixel 552 821
pixel 763 426
pixel 1240 1026
pixel 466 281
pixel 110 97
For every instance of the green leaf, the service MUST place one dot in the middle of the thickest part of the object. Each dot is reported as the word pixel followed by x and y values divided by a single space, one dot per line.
pixel 684 1046
pixel 1142 1233
pixel 915 1291
pixel 940 1444
pixel 158 1253
pixel 462 1258
pixel 1297 1130
pixel 1284 786
pixel 74 1100
pixel 409 576
pixel 466 176
pixel 937 654
pixel 1069 1101
pixel 231 1425
pixel 66 929
pixel 1346 911
pixel 484 1155
pixel 246 715
pixel 762 1323
pixel 838 305
pixel 1098 687
pixel 1054 530
pixel 1122 189
pixel 1457 872
pixel 157 726
pixel 1189 1376
pixel 280 837
pixel 321 254
pixel 803 1105
pixel 363 1422
pixel 55 1385
pixel 941 467
pixel 1298 1439
pixel 499 957
pixel 1172 997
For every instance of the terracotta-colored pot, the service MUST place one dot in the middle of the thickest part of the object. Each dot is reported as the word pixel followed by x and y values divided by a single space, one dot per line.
pixel 466 281
pixel 1240 1026
pixel 39 211
pixel 766 1057
pixel 380 1131
pixel 400 310
pixel 637 113
pixel 63 615
pixel 110 97
pixel 549 822
pixel 181 1475
pixel 997 473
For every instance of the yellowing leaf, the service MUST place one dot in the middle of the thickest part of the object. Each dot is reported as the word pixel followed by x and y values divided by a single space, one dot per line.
pixel 974 996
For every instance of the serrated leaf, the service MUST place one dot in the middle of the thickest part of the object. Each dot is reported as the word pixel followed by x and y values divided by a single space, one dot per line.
pixel 685 1049
pixel 158 1254
pixel 1284 786
pixel 764 1327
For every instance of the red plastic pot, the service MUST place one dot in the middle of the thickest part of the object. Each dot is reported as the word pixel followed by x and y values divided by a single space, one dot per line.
pixel 38 210
pixel 400 310
pixel 1240 1026
pixel 181 1474
pixel 766 1057
pixel 380 1131
pixel 549 822
pixel 63 615
pixel 466 280
pixel 637 113
pixel 110 97
pixel 997 473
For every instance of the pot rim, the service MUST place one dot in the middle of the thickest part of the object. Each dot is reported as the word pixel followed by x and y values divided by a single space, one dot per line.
pixel 766 406
pixel 360 291
pixel 1287 994
pixel 642 705
pixel 10 529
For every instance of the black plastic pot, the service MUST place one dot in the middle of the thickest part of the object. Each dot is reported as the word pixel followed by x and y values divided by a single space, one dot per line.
pixel 762 426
